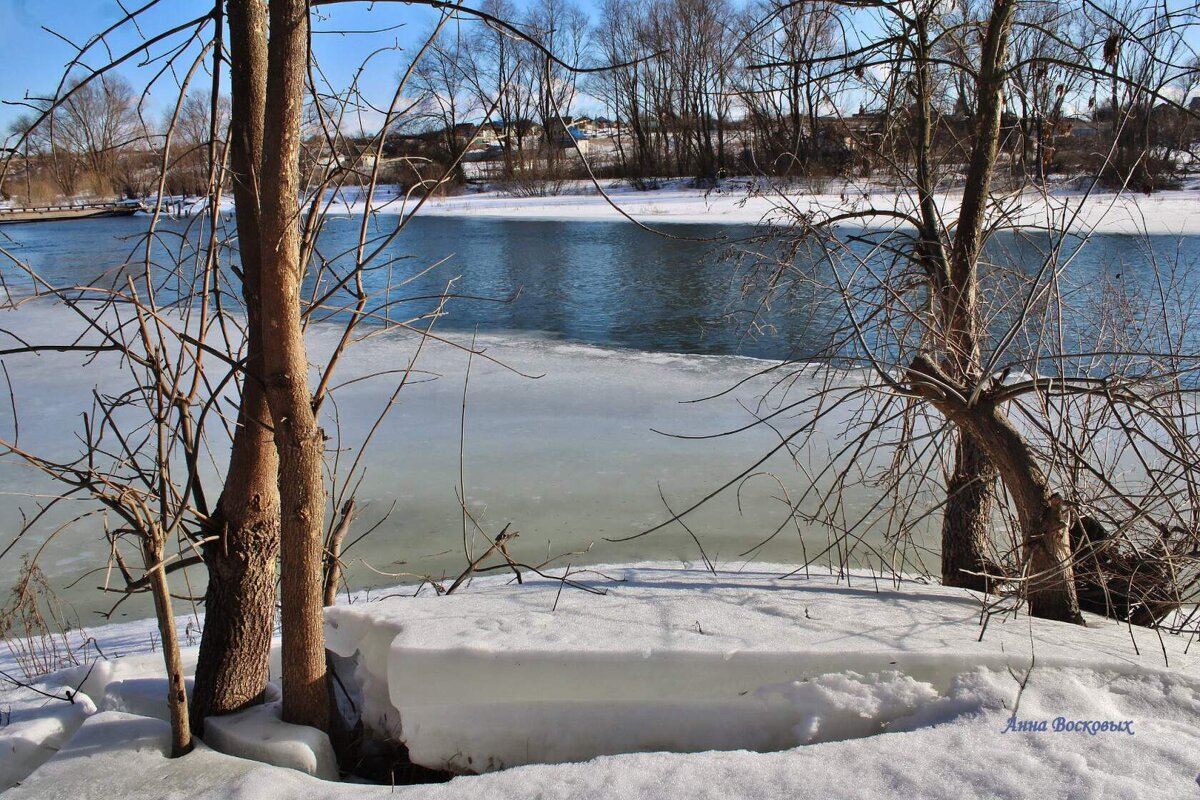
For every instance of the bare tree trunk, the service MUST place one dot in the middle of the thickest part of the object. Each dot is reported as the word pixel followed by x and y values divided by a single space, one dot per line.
pixel 1050 587
pixel 298 439
pixel 233 665
pixel 966 521
pixel 181 734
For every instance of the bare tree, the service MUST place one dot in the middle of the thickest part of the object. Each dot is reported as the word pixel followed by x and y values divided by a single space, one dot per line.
pixel 232 668
pixel 562 28
pixel 193 129
pixel 621 40
pixel 932 317
pixel 1141 49
pixel 1042 82
pixel 786 99
pixel 499 73
pixel 441 77
pixel 195 336
pixel 299 440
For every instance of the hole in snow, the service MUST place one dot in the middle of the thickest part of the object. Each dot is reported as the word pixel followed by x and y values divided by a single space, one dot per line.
pixel 387 762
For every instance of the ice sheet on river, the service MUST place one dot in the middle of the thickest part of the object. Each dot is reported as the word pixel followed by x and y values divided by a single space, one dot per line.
pixel 548 454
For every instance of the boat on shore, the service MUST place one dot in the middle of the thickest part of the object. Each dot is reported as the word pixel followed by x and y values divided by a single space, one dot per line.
pixel 77 211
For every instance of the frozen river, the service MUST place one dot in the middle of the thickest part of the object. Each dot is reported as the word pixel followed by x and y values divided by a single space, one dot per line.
pixel 622 326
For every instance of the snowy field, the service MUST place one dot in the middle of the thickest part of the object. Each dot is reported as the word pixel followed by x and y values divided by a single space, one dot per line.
pixel 740 201
pixel 790 687
pixel 750 202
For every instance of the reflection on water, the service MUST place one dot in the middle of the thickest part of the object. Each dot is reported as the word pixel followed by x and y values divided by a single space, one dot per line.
pixel 609 284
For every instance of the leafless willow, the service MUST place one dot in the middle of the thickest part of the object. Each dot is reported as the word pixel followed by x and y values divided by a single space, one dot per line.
pixel 1047 424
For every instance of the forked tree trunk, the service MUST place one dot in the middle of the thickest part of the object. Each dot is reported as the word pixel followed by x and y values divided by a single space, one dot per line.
pixel 1046 550
pixel 967 518
pixel 232 669
pixel 298 440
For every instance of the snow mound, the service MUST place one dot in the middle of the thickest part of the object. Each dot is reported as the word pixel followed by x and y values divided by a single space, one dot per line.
pixel 115 755
pixel 848 705
pixel 35 732
pixel 36 720
pixel 145 697
pixel 676 660
pixel 95 678
pixel 259 734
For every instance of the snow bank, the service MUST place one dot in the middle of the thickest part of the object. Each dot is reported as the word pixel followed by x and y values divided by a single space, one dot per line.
pixel 34 730
pixel 741 201
pixel 748 202
pixel 675 660
pixel 116 756
pixel 37 720
pixel 889 686
pixel 145 697
pixel 260 734
pixel 131 676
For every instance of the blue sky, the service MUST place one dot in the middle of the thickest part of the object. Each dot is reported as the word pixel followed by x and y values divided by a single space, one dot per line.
pixel 34 58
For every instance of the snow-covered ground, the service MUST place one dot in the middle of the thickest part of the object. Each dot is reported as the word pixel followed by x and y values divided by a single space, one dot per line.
pixel 806 686
pixel 745 201
pixel 740 201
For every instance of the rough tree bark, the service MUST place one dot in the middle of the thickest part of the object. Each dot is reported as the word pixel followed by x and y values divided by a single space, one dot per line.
pixel 970 491
pixel 232 669
pixel 298 439
pixel 967 518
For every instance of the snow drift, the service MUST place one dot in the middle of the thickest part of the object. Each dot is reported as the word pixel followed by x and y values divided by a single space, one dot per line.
pixel 686 661
pixel 890 685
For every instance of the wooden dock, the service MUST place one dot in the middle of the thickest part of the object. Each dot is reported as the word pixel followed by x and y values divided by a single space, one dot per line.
pixel 56 213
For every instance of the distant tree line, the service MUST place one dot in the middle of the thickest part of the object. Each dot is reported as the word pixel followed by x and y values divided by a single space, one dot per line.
pixel 85 146
pixel 700 89
pixel 708 88
pixel 791 88
pixel 99 143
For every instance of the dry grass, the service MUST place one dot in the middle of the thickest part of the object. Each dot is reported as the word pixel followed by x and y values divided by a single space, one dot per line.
pixel 35 627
